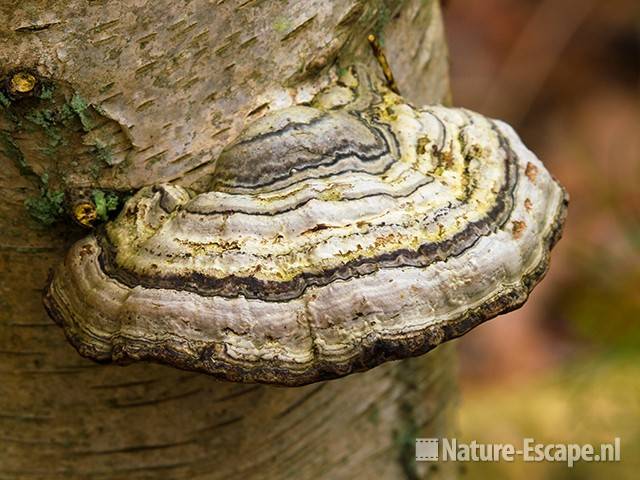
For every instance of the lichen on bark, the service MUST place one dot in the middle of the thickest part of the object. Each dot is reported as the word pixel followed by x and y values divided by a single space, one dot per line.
pixel 58 141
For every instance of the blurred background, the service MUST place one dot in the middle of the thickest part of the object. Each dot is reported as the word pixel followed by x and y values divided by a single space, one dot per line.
pixel 565 367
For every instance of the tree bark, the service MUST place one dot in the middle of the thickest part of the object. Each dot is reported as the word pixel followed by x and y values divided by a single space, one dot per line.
pixel 141 92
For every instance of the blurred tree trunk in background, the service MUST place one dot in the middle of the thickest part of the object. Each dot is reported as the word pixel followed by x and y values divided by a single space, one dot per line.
pixel 138 92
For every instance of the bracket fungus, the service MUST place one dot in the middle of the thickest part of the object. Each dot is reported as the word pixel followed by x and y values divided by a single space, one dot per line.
pixel 333 236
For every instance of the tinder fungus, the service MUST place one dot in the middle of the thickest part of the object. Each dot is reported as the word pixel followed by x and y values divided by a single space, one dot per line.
pixel 333 237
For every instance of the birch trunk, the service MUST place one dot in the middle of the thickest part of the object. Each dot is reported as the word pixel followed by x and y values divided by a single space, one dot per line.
pixel 138 92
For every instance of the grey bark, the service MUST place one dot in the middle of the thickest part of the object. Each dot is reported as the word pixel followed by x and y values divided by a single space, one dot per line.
pixel 155 90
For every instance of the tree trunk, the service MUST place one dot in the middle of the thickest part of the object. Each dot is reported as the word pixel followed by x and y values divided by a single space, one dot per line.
pixel 135 93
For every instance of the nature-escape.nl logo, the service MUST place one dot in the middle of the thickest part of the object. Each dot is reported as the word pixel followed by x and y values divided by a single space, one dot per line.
pixel 449 449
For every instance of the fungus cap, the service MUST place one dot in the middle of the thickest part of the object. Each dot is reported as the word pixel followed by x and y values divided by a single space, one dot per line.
pixel 332 238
